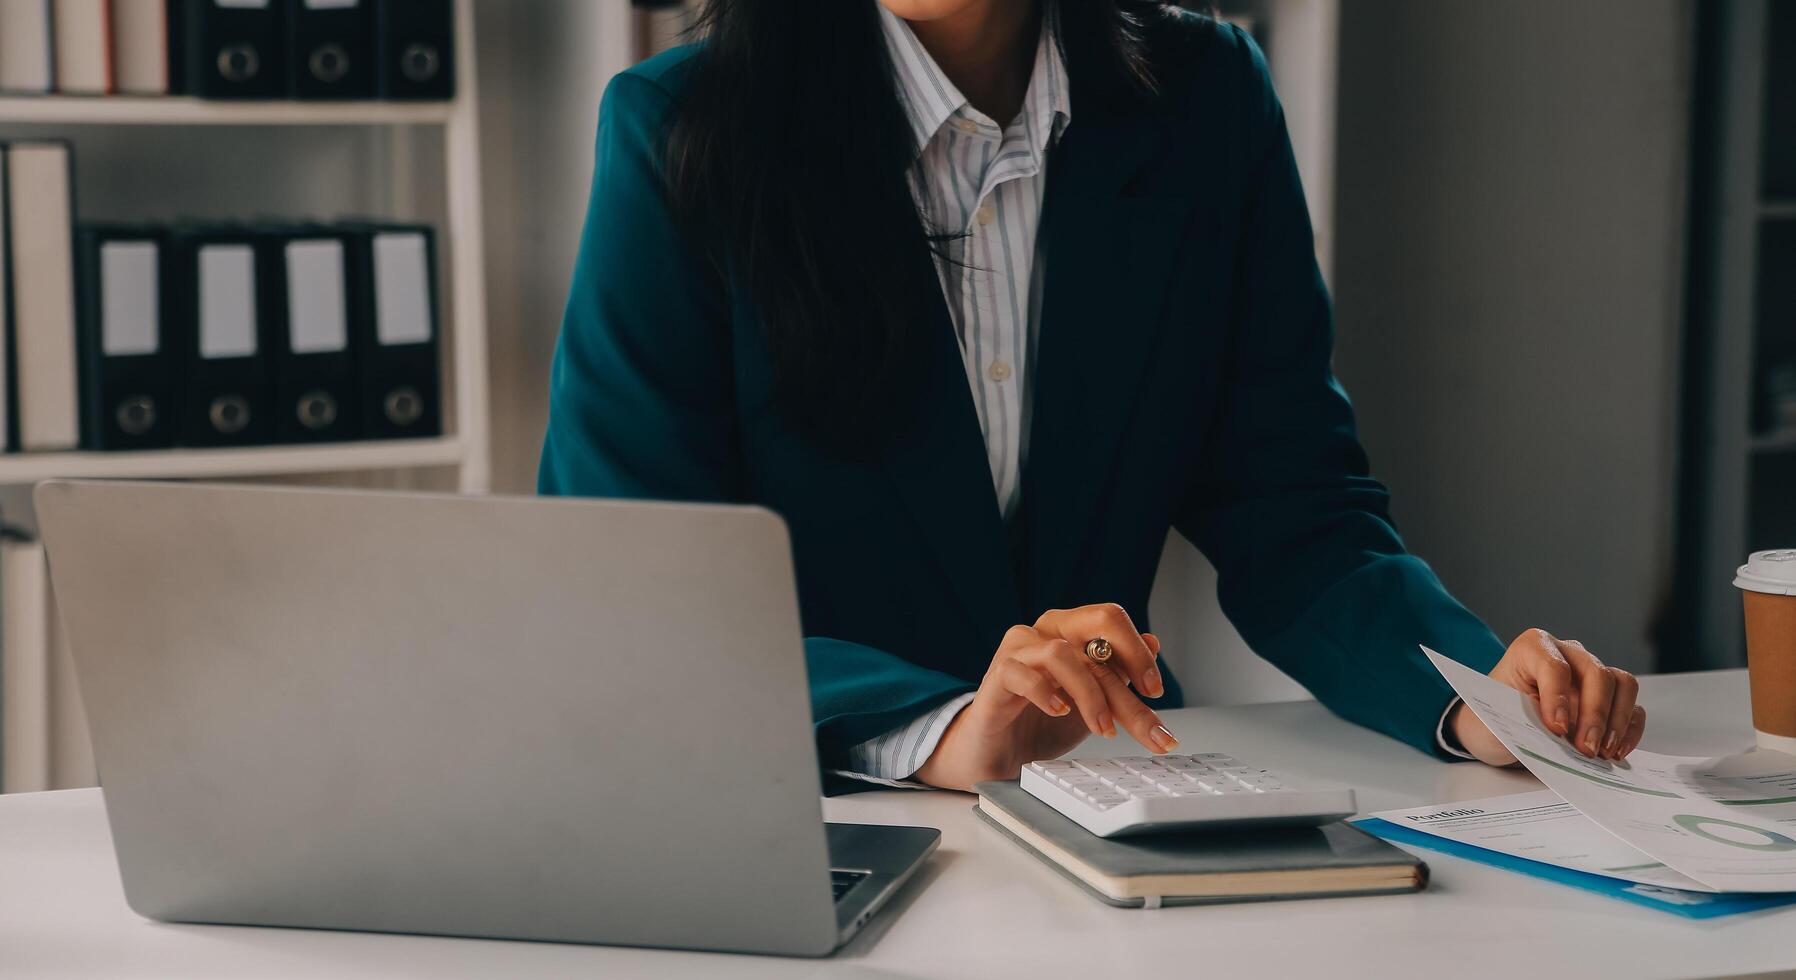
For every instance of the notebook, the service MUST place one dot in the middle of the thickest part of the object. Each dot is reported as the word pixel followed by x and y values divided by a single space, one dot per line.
pixel 1202 869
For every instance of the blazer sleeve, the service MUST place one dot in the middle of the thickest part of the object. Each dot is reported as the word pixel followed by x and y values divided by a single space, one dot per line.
pixel 1311 570
pixel 642 399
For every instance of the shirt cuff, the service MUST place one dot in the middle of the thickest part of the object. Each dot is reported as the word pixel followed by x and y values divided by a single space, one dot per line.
pixel 890 758
pixel 1440 734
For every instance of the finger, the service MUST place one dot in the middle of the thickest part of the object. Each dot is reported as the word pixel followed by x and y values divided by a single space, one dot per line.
pixel 1136 718
pixel 1621 711
pixel 1544 668
pixel 1636 728
pixel 1112 622
pixel 1020 679
pixel 1067 668
pixel 1596 692
pixel 1595 696
pixel 1153 643
pixel 1019 638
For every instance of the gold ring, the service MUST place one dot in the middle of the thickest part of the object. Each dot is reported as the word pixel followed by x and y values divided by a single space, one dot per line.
pixel 1098 650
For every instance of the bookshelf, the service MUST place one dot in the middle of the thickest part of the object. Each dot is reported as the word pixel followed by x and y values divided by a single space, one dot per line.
pixel 1738 486
pixel 451 127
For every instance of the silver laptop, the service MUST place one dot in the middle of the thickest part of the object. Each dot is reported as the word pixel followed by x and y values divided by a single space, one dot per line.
pixel 569 720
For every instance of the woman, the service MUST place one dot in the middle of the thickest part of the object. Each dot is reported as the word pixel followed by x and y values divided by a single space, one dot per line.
pixel 984 297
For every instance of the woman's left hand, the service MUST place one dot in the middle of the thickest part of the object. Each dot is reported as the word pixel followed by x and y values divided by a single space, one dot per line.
pixel 1589 704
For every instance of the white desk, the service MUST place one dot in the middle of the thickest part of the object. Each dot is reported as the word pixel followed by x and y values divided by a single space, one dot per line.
pixel 985 909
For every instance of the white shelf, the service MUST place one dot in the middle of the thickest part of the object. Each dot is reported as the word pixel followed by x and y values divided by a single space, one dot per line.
pixel 134 110
pixel 18 469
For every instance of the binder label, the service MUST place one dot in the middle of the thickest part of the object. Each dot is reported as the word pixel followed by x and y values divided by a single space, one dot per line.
pixel 128 299
pixel 401 289
pixel 317 303
pixel 227 301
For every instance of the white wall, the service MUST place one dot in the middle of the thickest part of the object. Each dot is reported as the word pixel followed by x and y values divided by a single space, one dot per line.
pixel 1509 261
pixel 543 66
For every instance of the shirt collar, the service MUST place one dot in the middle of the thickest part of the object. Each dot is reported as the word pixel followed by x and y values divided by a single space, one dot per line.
pixel 931 99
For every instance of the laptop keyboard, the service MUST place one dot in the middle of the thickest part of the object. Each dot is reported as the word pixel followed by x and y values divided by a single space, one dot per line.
pixel 841 881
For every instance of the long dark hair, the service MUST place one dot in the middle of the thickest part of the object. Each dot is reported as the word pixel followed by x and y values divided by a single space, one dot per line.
pixel 786 160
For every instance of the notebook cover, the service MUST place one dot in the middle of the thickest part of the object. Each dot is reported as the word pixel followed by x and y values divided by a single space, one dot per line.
pixel 1337 845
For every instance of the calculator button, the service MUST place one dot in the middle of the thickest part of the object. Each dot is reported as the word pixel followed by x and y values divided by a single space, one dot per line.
pixel 1176 792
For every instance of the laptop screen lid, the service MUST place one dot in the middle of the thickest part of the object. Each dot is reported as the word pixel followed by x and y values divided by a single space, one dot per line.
pixel 553 719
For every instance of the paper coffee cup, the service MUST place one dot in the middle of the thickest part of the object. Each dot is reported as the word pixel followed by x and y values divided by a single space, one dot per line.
pixel 1767 584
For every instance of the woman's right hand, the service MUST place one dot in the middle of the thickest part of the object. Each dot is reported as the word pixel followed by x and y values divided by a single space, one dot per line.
pixel 1041 696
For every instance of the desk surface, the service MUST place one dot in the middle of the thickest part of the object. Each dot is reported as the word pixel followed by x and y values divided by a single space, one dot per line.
pixel 983 908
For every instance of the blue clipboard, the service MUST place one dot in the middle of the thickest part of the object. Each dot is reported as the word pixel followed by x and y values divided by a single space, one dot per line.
pixel 1692 905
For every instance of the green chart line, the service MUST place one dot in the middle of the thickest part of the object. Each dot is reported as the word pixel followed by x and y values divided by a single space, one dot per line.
pixel 1778 799
pixel 1598 779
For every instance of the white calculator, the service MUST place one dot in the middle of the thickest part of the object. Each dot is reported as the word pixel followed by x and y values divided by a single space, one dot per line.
pixel 1156 794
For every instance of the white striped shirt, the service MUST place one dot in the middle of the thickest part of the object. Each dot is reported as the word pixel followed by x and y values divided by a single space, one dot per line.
pixel 981 183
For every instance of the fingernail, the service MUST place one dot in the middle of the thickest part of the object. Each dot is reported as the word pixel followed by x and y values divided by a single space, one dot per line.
pixel 1163 739
pixel 1107 725
pixel 1593 737
pixel 1057 706
pixel 1561 719
pixel 1610 743
pixel 1150 682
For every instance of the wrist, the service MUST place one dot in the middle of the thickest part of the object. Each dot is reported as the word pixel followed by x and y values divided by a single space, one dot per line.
pixel 1451 736
pixel 959 760
pixel 945 769
pixel 1477 740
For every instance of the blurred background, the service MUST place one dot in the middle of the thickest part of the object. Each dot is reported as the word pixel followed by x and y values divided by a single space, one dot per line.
pixel 1561 240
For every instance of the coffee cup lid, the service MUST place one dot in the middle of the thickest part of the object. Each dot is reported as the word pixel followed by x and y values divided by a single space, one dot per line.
pixel 1773 572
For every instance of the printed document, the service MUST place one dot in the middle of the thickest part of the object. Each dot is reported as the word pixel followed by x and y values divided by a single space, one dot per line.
pixel 1542 827
pixel 1727 824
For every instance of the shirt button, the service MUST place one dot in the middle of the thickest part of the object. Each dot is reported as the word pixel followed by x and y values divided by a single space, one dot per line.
pixel 999 371
pixel 985 214
pixel 966 125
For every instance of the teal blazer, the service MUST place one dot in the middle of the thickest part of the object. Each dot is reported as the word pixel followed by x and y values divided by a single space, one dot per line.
pixel 1182 381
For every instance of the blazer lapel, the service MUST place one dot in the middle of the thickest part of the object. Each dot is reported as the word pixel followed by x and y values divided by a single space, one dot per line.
pixel 1107 258
pixel 939 467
